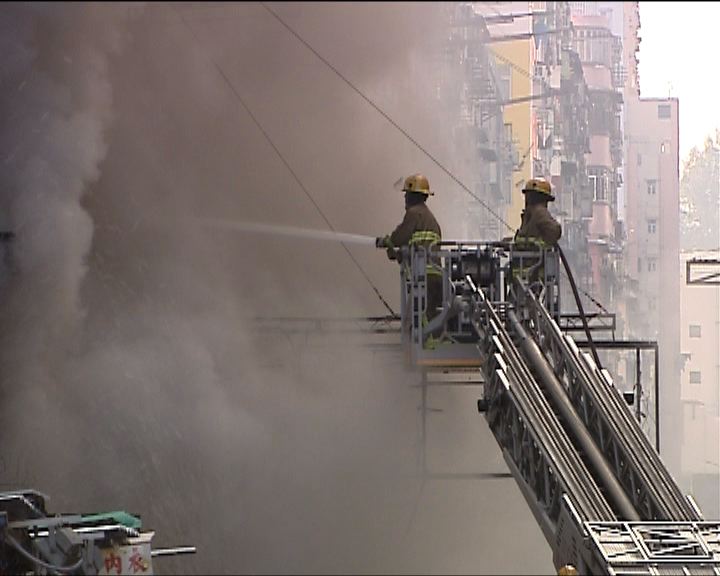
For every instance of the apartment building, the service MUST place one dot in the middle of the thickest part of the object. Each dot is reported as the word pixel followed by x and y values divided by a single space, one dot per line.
pixel 700 387
pixel 487 86
pixel 653 247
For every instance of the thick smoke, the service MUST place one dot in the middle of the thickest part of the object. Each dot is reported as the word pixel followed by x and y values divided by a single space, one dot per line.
pixel 57 106
pixel 134 371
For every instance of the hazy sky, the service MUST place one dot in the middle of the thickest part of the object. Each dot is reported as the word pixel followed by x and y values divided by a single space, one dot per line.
pixel 678 54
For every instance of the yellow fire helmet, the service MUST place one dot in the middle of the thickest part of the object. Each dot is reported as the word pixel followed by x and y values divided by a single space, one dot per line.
pixel 417 183
pixel 540 186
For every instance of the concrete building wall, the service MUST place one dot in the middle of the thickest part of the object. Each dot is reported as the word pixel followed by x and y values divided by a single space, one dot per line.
pixel 519 116
pixel 597 40
pixel 700 392
pixel 653 249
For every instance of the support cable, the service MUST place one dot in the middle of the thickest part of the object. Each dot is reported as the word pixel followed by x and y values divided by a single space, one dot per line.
pixel 289 168
pixel 510 63
pixel 598 304
pixel 396 126
pixel 384 115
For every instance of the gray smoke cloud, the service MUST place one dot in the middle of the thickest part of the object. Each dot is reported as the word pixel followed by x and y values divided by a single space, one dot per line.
pixel 134 373
pixel 58 103
pixel 57 106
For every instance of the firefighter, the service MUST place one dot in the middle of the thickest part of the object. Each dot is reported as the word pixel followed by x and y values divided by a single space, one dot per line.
pixel 538 230
pixel 418 228
pixel 537 222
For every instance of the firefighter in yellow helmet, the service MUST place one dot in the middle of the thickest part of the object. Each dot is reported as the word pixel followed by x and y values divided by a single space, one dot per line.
pixel 537 222
pixel 418 228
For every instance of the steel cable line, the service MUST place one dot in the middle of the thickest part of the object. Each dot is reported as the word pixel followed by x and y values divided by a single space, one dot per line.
pixel 289 168
pixel 402 130
pixel 510 63
pixel 594 301
pixel 382 113
pixel 385 115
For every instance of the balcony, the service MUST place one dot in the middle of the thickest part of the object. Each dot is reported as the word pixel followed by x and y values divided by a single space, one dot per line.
pixel 599 151
pixel 597 77
pixel 602 225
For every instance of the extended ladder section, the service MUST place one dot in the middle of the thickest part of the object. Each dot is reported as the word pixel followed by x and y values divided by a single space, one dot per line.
pixel 598 489
pixel 604 413
pixel 555 481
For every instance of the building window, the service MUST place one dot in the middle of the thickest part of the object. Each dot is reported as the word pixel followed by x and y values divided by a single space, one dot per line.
pixel 652 264
pixel 652 304
pixel 639 265
pixel 599 185
pixel 695 331
pixel 651 187
pixel 639 159
pixel 652 226
pixel 664 111
pixel 695 377
pixel 504 80
pixel 662 148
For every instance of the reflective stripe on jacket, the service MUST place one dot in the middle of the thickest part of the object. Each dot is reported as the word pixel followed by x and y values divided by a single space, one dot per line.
pixel 419 228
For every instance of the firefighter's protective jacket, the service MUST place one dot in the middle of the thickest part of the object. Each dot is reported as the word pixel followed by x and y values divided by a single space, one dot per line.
pixel 418 228
pixel 537 222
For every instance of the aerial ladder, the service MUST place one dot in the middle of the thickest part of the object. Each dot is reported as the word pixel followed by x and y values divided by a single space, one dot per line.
pixel 597 487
